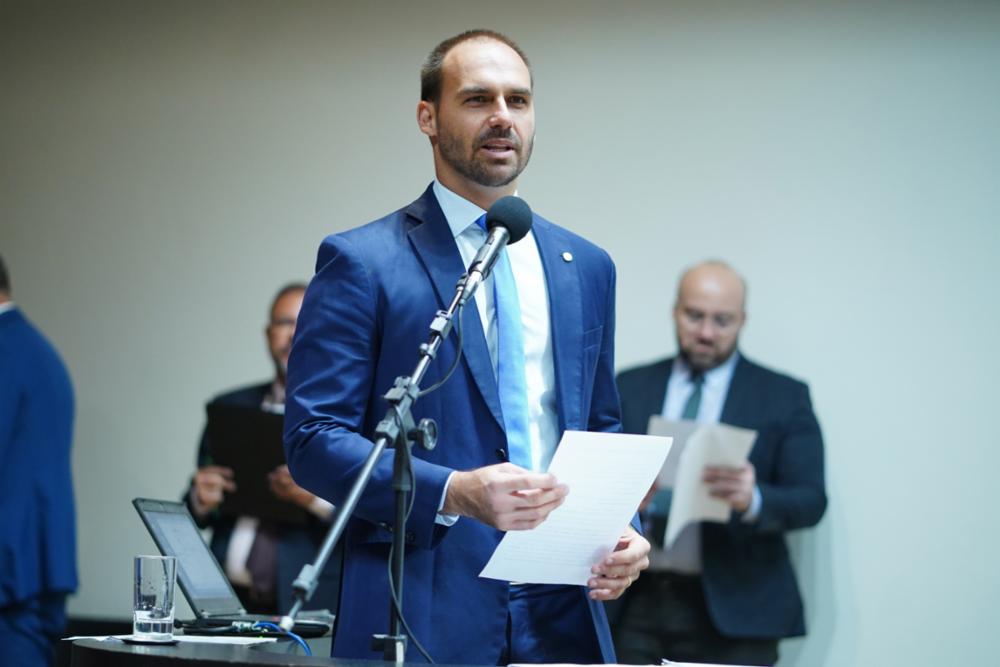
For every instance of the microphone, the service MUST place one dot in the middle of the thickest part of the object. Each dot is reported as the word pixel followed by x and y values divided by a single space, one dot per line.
pixel 508 221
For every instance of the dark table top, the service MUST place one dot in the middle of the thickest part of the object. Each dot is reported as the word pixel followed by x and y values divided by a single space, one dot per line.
pixel 116 653
pixel 111 653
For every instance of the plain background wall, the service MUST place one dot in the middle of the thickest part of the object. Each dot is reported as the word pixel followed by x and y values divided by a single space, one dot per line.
pixel 165 166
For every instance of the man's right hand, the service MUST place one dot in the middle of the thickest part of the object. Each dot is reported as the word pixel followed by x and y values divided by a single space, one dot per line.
pixel 211 483
pixel 504 496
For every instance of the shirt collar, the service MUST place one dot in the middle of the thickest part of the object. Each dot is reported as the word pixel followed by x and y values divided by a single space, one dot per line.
pixel 718 376
pixel 458 211
pixel 7 305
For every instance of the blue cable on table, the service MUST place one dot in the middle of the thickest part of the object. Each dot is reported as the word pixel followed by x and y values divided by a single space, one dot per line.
pixel 273 627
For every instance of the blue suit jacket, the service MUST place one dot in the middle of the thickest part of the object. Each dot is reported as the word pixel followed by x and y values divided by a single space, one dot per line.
pixel 297 544
pixel 746 573
pixel 365 313
pixel 38 530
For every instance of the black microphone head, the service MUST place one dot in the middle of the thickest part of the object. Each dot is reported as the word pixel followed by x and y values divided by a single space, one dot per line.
pixel 510 212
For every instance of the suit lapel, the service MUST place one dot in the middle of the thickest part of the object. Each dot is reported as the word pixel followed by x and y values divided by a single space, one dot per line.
pixel 657 390
pixel 434 244
pixel 739 391
pixel 562 279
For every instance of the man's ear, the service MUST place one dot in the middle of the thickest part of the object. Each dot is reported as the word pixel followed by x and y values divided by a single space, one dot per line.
pixel 427 118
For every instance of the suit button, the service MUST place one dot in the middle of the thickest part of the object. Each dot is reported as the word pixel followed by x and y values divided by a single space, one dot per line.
pixel 410 537
pixel 501 454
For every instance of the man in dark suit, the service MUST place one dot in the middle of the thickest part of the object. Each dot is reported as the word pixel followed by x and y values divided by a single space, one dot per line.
pixel 537 359
pixel 723 593
pixel 38 529
pixel 262 558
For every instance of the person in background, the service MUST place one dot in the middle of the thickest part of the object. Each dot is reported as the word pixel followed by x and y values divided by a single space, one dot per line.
pixel 38 528
pixel 724 592
pixel 262 558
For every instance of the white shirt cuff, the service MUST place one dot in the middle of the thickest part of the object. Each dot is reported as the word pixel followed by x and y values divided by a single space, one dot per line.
pixel 443 519
pixel 321 509
pixel 754 510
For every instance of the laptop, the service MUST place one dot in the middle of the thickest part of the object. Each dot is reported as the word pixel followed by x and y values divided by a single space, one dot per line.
pixel 215 604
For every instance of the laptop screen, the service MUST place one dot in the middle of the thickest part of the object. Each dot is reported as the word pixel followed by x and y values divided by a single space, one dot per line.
pixel 201 579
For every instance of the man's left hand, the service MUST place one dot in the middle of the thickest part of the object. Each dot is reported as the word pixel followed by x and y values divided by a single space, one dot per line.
pixel 620 570
pixel 734 485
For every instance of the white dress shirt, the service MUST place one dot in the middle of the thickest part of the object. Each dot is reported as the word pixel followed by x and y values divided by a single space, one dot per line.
pixel 714 389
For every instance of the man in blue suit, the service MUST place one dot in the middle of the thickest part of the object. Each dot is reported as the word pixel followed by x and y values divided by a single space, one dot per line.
pixel 38 530
pixel 365 314
pixel 723 593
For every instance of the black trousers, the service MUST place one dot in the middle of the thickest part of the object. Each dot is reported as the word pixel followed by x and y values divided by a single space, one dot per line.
pixel 665 616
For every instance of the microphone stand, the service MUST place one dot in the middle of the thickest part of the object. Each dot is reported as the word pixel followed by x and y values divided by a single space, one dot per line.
pixel 397 428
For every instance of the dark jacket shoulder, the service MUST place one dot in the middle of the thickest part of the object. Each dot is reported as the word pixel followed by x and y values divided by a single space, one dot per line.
pixel 641 391
pixel 248 396
pixel 760 395
pixel 770 377
pixel 642 375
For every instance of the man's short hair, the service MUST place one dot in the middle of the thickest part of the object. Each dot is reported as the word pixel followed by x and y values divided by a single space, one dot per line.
pixel 287 289
pixel 4 278
pixel 431 74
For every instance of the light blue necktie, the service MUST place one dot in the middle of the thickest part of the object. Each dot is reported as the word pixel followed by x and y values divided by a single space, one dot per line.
pixel 511 385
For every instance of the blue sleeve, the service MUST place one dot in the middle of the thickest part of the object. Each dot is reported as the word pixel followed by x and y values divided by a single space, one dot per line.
pixel 10 400
pixel 331 374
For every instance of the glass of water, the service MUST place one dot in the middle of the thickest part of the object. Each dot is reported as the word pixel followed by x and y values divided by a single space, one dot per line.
pixel 153 598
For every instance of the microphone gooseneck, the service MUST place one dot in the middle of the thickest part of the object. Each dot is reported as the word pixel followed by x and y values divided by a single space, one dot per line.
pixel 508 221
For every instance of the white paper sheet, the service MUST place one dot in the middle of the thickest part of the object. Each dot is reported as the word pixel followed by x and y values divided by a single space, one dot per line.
pixel 699 445
pixel 607 474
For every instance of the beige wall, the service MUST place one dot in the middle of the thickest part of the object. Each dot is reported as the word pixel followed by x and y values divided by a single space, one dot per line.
pixel 164 166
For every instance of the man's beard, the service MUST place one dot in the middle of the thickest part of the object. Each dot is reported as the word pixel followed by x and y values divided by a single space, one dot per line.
pixel 476 170
pixel 704 363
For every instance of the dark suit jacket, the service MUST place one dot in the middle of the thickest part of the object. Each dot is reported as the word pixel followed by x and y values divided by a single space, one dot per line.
pixel 747 575
pixel 38 529
pixel 297 544
pixel 365 313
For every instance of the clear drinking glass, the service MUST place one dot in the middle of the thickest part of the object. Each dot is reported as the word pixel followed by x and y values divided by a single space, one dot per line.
pixel 153 598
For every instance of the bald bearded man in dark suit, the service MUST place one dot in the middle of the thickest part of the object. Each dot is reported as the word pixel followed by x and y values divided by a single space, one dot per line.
pixel 725 592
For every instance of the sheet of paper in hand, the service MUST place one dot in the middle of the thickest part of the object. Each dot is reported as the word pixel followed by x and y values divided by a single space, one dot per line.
pixel 697 446
pixel 608 474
